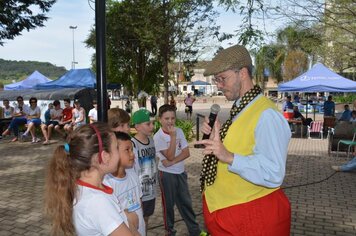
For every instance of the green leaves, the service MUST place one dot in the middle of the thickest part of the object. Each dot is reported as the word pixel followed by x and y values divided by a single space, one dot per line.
pixel 185 125
pixel 16 16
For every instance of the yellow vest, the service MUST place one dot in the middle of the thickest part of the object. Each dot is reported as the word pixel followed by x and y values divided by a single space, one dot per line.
pixel 229 188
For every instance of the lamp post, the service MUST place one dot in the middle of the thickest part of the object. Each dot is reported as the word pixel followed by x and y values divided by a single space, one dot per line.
pixel 73 62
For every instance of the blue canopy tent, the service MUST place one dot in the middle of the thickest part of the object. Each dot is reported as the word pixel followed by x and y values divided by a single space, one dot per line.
pixel 318 79
pixel 199 82
pixel 200 87
pixel 28 83
pixel 75 78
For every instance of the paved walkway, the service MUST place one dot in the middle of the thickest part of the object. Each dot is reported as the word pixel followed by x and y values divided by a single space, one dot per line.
pixel 323 202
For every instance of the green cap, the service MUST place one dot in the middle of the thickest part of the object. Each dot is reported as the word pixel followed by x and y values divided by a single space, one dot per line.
pixel 141 116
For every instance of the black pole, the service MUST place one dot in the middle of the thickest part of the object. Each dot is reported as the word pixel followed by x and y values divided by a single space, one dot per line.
pixel 306 105
pixel 102 95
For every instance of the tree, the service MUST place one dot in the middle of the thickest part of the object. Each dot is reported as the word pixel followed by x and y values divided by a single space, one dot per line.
pixel 181 26
pixel 131 51
pixel 143 37
pixel 299 43
pixel 18 15
pixel 271 58
pixel 248 32
pixel 296 63
pixel 336 20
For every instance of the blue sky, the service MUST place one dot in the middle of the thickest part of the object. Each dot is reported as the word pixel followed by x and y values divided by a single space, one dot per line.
pixel 53 43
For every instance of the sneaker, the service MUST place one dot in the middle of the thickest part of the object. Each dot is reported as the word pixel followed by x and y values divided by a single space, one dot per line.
pixel 36 140
pixel 203 233
pixel 24 136
pixel 336 168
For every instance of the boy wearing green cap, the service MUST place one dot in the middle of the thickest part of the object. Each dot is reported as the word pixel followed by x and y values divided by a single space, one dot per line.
pixel 145 160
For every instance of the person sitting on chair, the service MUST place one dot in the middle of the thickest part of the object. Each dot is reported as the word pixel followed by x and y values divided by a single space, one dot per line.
pixel 353 116
pixel 298 115
pixel 287 103
pixel 346 115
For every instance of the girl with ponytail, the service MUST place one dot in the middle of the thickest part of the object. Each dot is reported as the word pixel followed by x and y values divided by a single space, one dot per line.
pixel 76 200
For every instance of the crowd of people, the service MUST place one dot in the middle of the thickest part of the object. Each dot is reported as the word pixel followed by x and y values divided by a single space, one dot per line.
pixel 28 118
pixel 102 181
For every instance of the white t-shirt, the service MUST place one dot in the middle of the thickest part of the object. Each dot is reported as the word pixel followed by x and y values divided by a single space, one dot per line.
pixel 128 192
pixel 146 167
pixel 162 141
pixel 32 112
pixel 93 113
pixel 25 109
pixel 56 113
pixel 96 212
pixel 8 112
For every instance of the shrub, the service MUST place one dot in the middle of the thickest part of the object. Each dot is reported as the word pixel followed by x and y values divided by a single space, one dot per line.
pixel 349 98
pixel 185 125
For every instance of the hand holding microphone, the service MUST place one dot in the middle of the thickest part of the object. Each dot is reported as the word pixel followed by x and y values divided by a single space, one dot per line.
pixel 213 145
pixel 214 110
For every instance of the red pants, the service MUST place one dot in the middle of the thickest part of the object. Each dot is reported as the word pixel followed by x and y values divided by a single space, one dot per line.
pixel 266 216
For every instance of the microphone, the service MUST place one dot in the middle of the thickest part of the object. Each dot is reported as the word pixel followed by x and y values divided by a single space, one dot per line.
pixel 214 110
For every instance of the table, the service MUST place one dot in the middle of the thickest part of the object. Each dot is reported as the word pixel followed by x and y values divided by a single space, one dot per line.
pixel 297 122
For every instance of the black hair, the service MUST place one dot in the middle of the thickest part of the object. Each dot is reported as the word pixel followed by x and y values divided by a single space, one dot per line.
pixel 33 99
pixel 56 103
pixel 67 100
pixel 164 108
pixel 122 136
pixel 19 97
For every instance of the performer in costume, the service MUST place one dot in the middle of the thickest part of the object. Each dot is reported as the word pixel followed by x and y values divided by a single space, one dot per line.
pixel 245 158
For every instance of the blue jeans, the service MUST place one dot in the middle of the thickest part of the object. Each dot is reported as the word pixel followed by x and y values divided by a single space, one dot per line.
pixel 349 166
pixel 15 123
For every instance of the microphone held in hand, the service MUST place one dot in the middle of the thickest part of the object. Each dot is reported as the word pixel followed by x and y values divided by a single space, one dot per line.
pixel 214 110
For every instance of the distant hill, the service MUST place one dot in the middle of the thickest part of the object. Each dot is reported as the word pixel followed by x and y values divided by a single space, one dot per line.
pixel 19 70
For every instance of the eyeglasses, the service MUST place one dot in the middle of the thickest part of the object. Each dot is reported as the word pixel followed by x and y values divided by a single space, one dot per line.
pixel 221 80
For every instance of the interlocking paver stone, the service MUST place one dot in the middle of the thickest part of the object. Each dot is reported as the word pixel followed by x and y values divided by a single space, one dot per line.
pixel 323 202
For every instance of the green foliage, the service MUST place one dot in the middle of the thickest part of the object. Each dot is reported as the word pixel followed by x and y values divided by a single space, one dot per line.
pixel 250 10
pixel 19 70
pixel 18 15
pixel 335 21
pixel 349 98
pixel 270 57
pixel 185 125
pixel 131 47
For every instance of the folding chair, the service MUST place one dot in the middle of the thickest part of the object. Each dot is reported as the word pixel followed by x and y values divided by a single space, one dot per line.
pixel 316 127
pixel 349 143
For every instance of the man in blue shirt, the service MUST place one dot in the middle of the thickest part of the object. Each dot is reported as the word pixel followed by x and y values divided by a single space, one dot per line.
pixel 346 115
pixel 329 107
pixel 288 104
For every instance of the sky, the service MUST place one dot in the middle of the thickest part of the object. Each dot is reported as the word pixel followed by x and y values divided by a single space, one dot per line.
pixel 54 42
